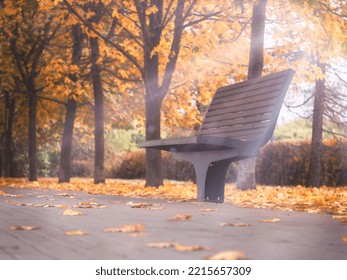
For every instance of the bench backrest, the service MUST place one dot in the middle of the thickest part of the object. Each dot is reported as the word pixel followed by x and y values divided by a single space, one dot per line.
pixel 247 111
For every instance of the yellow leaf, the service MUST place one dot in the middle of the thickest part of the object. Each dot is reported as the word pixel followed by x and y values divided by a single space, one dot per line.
pixel 89 204
pixel 274 220
pixel 126 228
pixel 75 233
pixel 187 248
pixel 160 244
pixel 339 217
pixel 209 210
pixel 70 212
pixel 227 255
pixel 23 228
pixel 180 217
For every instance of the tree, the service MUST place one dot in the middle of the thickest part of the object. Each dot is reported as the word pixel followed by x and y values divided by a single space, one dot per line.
pixel 153 32
pixel 99 153
pixel 65 166
pixel 246 174
pixel 9 102
pixel 326 48
pixel 28 34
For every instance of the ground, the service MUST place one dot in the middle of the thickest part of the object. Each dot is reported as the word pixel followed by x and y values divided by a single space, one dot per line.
pixel 83 221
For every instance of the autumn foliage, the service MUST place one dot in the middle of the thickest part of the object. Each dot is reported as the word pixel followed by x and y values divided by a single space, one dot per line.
pixel 323 200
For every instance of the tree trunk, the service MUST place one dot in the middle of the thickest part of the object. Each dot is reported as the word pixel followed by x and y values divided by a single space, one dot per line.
pixel 317 133
pixel 154 177
pixel 65 167
pixel 246 174
pixel 32 137
pixel 99 176
pixel 66 146
pixel 7 148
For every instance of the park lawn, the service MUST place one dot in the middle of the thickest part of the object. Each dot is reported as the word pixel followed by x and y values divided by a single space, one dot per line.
pixel 323 200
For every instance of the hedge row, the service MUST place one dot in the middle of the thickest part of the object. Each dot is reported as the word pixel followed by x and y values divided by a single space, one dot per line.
pixel 279 163
pixel 287 163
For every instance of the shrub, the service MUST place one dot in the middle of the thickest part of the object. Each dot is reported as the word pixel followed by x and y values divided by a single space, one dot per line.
pixel 132 166
pixel 287 163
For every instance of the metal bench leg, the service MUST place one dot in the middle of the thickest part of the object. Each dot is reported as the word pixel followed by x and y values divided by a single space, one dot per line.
pixel 215 181
pixel 210 169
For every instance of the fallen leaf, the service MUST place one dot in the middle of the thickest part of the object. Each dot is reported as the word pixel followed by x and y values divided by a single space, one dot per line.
pixel 160 244
pixel 90 204
pixel 344 222
pixel 126 228
pixel 70 212
pixel 274 220
pixel 156 208
pixel 227 255
pixel 10 195
pixel 339 217
pixel 344 239
pixel 187 248
pixel 43 196
pixel 139 205
pixel 15 203
pixel 209 210
pixel 75 233
pixel 64 194
pixel 177 246
pixel 235 224
pixel 23 228
pixel 180 217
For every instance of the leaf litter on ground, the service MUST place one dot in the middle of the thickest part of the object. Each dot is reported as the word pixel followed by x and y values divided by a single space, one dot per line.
pixel 323 200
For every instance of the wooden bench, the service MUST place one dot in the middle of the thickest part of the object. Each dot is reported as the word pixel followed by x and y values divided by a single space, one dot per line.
pixel 240 119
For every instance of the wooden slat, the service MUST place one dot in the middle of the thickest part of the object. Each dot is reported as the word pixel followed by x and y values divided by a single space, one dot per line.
pixel 251 91
pixel 268 80
pixel 241 114
pixel 239 102
pixel 250 106
pixel 245 120
pixel 240 134
pixel 235 128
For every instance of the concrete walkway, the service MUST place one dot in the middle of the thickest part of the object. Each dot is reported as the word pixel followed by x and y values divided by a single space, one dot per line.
pixel 296 236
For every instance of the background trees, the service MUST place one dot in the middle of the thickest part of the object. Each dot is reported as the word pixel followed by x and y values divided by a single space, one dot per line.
pixel 154 65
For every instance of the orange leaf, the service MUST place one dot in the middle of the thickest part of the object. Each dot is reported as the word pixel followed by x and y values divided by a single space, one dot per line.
pixel 70 212
pixel 160 244
pixel 344 239
pixel 126 228
pixel 227 255
pixel 187 248
pixel 23 228
pixel 339 217
pixel 274 220
pixel 75 233
pixel 209 210
pixel 180 217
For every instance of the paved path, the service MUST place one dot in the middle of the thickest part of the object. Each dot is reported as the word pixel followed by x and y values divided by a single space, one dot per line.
pixel 296 236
